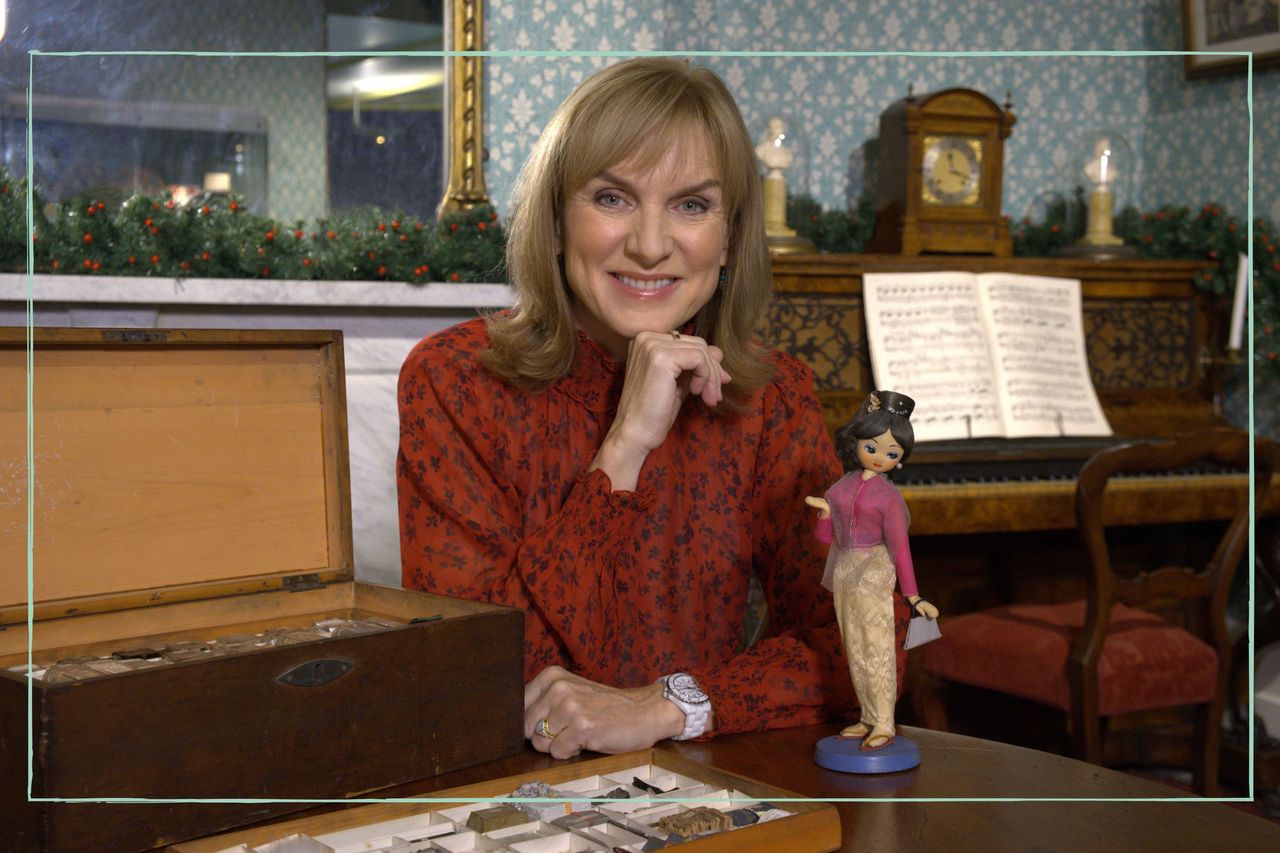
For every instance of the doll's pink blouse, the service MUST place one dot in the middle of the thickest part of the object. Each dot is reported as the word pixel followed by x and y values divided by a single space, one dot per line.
pixel 865 513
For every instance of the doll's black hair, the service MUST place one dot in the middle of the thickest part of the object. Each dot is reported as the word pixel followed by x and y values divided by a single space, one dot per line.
pixel 882 410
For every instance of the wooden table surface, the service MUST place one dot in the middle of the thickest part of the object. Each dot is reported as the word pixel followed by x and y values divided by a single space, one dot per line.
pixel 963 767
pixel 954 766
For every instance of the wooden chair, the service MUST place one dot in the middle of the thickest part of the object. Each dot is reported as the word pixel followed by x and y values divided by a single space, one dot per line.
pixel 1102 656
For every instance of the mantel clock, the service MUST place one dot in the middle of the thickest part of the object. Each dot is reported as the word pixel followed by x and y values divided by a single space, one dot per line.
pixel 941 163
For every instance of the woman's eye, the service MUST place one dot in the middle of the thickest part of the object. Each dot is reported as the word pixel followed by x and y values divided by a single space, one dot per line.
pixel 870 448
pixel 693 205
pixel 609 199
pixel 892 455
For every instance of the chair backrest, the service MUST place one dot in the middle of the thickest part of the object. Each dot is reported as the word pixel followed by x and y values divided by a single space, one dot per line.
pixel 1211 583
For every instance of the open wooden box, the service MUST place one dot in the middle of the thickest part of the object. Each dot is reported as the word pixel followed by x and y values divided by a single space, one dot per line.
pixel 190 485
pixel 810 827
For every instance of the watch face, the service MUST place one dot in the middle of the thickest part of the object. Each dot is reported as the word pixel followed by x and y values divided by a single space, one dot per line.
pixel 951 169
pixel 684 688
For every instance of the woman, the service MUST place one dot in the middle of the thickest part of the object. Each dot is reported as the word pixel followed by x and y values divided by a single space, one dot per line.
pixel 869 521
pixel 616 455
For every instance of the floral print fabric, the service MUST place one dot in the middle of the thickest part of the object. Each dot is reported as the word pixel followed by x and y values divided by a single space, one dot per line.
pixel 624 587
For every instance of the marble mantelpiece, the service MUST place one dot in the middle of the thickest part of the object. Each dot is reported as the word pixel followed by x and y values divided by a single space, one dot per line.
pixel 380 322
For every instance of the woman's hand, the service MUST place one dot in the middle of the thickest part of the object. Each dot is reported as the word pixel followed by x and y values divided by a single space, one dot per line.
pixel 821 505
pixel 583 714
pixel 922 607
pixel 662 370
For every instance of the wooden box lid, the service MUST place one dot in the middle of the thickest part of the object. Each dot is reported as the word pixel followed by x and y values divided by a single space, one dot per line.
pixel 170 465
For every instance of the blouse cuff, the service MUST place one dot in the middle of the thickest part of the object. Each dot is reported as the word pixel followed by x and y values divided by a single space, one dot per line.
pixel 610 509
pixel 823 530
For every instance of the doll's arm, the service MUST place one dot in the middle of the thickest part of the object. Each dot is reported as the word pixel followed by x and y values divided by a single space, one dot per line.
pixel 824 527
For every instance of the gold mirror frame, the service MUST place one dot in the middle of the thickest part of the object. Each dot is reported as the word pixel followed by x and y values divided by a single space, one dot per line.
pixel 465 109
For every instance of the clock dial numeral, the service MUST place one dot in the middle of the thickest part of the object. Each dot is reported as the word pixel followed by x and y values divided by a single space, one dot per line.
pixel 951 171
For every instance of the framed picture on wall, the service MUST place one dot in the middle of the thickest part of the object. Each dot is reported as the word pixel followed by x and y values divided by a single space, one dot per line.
pixel 1243 25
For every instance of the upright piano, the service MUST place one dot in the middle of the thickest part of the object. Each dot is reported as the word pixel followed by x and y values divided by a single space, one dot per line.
pixel 993 519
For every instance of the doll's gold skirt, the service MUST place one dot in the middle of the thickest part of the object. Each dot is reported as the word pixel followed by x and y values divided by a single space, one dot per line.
pixel 862 581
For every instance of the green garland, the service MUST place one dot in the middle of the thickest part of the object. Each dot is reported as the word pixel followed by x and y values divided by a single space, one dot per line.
pixel 216 237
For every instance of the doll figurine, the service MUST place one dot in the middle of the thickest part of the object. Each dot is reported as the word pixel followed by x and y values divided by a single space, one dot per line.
pixel 869 520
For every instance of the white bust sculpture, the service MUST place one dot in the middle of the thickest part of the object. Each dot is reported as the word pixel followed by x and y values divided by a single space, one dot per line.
pixel 772 151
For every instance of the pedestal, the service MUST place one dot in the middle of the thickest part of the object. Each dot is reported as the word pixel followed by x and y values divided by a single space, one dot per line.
pixel 846 755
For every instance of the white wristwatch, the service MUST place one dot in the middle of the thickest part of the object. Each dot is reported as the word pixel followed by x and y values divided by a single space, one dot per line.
pixel 680 688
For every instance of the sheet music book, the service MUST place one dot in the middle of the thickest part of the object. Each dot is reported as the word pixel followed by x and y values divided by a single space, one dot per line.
pixel 990 354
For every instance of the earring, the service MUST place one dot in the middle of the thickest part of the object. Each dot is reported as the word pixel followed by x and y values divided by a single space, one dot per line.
pixel 899 464
pixel 724 276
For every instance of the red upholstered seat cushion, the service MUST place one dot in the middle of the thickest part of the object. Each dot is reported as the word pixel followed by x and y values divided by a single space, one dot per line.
pixel 1022 650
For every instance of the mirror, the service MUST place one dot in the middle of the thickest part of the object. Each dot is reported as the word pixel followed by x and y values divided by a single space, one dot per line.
pixel 113 121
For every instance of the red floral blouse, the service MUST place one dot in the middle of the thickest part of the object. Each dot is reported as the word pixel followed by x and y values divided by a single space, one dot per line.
pixel 623 587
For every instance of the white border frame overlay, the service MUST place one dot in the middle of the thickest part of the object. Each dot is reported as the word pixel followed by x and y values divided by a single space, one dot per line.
pixel 501 54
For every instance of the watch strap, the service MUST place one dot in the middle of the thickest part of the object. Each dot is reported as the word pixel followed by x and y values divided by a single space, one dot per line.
pixel 696 715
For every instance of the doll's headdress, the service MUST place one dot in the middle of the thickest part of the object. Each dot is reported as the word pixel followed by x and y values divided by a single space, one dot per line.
pixel 892 402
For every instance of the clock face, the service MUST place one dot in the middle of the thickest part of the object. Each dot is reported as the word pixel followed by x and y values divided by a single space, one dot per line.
pixel 951 170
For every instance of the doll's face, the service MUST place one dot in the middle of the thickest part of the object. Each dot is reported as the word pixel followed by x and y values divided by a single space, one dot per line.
pixel 879 454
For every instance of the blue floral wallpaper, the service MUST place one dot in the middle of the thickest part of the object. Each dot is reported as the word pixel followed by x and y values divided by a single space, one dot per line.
pixel 1189 138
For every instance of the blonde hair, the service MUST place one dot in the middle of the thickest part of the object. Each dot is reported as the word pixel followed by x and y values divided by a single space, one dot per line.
pixel 633 109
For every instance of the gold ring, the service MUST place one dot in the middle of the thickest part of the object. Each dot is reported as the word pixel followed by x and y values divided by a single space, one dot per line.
pixel 544 728
pixel 675 335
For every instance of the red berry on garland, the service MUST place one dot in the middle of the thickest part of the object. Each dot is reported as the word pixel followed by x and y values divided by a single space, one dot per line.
pixel 395 225
pixel 266 271
pixel 1231 226
pixel 404 238
pixel 90 210
pixel 1055 228
pixel 453 276
pixel 233 207
pixel 155 259
pixel 453 226
pixel 102 205
pixel 169 204
pixel 417 226
pixel 482 225
pixel 262 252
pixel 298 234
pixel 493 217
pixel 55 264
pixel 147 222
pixel 88 238
pixel 88 264
pixel 382 269
pixel 1271 355
pixel 133 259
pixel 97 265
pixel 204 256
pixel 330 234
pixel 185 265
pixel 155 230
pixel 372 255
pixel 1266 330
pixel 155 206
pixel 382 226
pixel 271 235
pixel 1213 253
pixel 204 210
pixel 306 262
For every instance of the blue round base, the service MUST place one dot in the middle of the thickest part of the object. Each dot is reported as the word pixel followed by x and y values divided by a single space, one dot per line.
pixel 846 755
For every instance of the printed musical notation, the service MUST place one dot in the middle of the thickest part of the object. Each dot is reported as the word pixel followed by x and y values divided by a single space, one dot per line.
pixel 995 354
